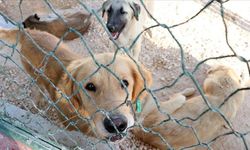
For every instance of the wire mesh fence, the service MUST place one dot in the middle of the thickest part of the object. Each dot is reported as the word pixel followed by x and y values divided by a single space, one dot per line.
pixel 78 118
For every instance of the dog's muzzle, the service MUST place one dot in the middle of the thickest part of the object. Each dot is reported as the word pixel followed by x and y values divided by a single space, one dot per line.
pixel 115 32
pixel 115 122
pixel 115 125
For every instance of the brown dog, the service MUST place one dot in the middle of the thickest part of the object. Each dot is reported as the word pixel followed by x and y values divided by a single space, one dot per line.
pixel 91 99
pixel 79 21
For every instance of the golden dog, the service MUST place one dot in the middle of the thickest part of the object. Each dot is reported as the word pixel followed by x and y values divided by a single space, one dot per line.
pixel 90 98
pixel 219 84
pixel 88 95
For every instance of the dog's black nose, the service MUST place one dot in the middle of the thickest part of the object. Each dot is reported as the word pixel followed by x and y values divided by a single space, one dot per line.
pixel 119 121
pixel 111 28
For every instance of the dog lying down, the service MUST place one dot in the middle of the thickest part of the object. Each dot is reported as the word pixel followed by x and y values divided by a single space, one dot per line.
pixel 103 112
pixel 51 23
pixel 220 82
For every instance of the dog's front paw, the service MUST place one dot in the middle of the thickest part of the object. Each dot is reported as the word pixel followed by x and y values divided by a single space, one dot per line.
pixel 188 92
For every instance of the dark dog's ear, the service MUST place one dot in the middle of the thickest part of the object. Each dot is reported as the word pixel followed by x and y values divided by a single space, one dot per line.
pixel 36 17
pixel 33 18
pixel 136 9
pixel 105 6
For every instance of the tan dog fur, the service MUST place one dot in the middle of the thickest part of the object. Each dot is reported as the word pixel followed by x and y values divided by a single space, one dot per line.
pixel 221 82
pixel 54 75
pixel 133 26
pixel 77 20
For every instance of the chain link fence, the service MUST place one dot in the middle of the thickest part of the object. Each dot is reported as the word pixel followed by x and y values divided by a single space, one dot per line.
pixel 31 126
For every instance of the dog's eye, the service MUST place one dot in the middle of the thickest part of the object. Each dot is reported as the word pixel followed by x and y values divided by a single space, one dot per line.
pixel 122 11
pixel 90 87
pixel 125 82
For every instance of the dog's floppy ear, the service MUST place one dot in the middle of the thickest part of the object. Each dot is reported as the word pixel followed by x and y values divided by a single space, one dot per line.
pixel 139 82
pixel 136 9
pixel 36 17
pixel 74 90
pixel 77 102
pixel 31 19
pixel 105 6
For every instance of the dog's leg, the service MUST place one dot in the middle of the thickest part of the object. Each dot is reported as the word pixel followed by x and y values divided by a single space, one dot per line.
pixel 177 100
pixel 188 92
pixel 174 103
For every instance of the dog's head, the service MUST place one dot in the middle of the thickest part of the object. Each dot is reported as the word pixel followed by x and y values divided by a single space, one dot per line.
pixel 119 14
pixel 221 80
pixel 105 91
pixel 31 21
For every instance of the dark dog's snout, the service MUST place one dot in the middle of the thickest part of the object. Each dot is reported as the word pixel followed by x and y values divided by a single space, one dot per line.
pixel 119 121
pixel 111 28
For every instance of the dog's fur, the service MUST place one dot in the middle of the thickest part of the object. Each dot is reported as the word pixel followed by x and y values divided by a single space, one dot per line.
pixel 219 84
pixel 80 21
pixel 125 20
pixel 109 94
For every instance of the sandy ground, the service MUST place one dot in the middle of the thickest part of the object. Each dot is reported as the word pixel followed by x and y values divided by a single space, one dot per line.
pixel 201 38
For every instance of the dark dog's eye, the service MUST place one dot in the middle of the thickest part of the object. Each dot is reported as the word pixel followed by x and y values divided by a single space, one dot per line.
pixel 90 87
pixel 125 82
pixel 122 11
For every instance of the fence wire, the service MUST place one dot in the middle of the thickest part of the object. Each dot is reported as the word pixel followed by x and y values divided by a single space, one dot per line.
pixel 185 72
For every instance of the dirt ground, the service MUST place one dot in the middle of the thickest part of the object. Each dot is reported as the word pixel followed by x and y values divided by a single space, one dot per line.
pixel 201 38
